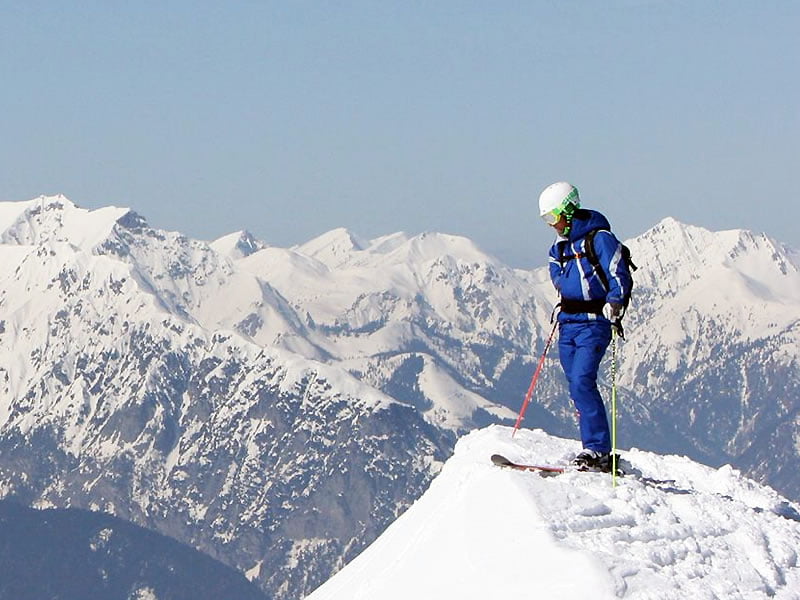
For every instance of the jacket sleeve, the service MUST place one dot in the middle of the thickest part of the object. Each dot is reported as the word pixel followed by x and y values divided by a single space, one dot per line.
pixel 555 267
pixel 609 253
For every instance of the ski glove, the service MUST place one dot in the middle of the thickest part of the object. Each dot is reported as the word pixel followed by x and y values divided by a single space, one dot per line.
pixel 613 311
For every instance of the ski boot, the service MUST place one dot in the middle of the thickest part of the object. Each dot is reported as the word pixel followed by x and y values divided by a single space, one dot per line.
pixel 592 460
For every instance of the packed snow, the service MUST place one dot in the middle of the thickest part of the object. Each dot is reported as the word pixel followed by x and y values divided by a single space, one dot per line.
pixel 670 529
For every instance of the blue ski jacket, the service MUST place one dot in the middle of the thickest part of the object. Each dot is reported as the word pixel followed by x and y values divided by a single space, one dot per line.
pixel 576 279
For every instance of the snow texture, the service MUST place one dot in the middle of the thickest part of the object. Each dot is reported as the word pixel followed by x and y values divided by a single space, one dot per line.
pixel 671 529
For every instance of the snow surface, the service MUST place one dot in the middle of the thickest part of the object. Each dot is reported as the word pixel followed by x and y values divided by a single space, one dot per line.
pixel 671 529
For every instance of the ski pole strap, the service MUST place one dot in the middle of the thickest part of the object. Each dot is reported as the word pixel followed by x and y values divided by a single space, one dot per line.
pixel 553 314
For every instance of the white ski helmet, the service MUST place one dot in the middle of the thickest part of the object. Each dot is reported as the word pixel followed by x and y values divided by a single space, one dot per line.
pixel 557 197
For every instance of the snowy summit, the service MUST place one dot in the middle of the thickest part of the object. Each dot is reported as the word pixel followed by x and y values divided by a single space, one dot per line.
pixel 670 529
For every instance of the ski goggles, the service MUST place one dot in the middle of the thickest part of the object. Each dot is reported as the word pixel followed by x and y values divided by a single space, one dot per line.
pixel 553 217
pixel 566 209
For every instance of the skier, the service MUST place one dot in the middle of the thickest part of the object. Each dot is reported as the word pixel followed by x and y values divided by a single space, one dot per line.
pixel 592 276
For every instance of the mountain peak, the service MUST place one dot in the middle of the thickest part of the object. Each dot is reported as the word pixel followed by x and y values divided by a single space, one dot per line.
pixel 333 248
pixel 672 528
pixel 50 219
pixel 675 254
pixel 699 238
pixel 238 244
pixel 670 228
pixel 432 245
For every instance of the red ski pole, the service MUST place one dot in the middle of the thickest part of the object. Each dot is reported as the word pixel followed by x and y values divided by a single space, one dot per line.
pixel 533 381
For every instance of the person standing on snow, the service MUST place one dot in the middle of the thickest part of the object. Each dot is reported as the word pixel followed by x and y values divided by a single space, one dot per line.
pixel 593 299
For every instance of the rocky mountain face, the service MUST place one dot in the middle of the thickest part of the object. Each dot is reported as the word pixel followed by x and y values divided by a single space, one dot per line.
pixel 276 408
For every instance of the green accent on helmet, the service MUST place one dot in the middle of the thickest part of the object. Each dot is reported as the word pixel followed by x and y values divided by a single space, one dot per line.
pixel 568 207
pixel 568 211
pixel 570 203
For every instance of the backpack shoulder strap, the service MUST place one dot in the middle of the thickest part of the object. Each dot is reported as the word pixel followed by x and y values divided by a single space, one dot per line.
pixel 589 248
pixel 562 258
pixel 591 254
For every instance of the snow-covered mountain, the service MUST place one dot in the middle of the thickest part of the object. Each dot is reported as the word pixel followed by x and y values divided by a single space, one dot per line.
pixel 430 320
pixel 278 407
pixel 114 396
pixel 671 529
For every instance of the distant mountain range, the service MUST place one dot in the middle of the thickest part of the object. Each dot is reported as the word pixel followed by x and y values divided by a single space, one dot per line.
pixel 277 408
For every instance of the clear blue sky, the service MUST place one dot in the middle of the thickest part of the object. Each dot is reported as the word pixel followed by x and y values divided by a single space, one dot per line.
pixel 292 118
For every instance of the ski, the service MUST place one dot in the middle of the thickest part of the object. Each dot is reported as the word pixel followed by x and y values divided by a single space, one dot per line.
pixel 502 461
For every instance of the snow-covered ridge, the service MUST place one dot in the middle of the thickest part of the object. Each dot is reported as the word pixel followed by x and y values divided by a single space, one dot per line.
pixel 237 245
pixel 422 307
pixel 675 255
pixel 56 219
pixel 188 278
pixel 332 248
pixel 340 248
pixel 672 529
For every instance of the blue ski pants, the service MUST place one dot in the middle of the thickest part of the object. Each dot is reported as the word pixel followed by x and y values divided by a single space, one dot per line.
pixel 581 347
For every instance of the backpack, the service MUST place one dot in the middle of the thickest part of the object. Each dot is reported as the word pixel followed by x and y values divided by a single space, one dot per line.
pixel 591 255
